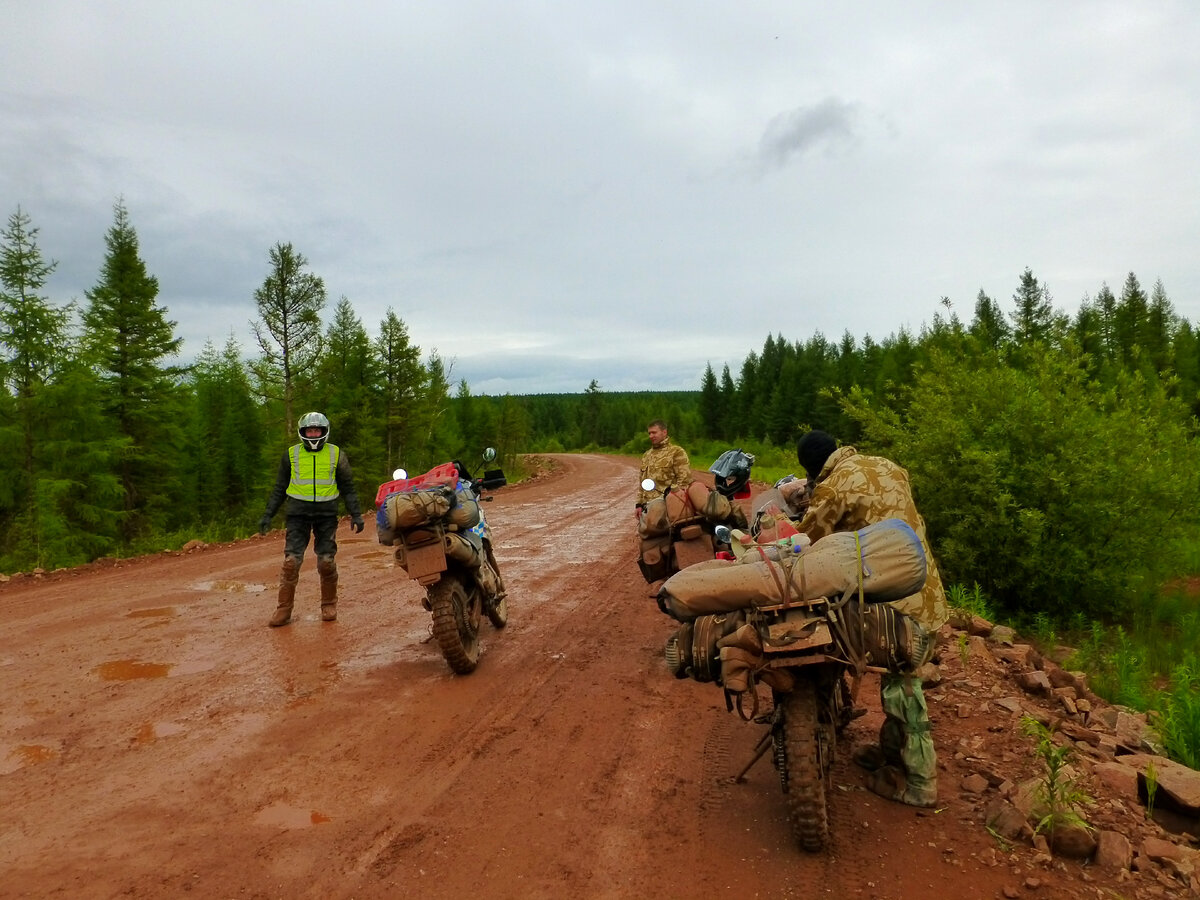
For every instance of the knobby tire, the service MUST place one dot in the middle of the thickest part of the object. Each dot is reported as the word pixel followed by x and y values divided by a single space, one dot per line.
pixel 456 615
pixel 805 778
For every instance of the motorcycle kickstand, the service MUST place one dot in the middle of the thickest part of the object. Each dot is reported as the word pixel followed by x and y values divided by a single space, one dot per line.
pixel 759 751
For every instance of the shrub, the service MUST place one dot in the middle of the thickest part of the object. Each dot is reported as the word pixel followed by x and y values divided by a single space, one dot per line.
pixel 1056 494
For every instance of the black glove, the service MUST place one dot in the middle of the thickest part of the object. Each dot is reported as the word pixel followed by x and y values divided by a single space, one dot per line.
pixel 356 522
pixel 264 524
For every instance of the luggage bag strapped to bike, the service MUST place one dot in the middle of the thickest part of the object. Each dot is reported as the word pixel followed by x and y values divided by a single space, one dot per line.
pixel 884 562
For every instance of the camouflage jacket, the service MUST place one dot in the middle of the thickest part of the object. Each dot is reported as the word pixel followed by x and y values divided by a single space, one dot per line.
pixel 669 467
pixel 854 491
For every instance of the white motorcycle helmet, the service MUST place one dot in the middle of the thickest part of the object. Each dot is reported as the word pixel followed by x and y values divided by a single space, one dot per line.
pixel 313 420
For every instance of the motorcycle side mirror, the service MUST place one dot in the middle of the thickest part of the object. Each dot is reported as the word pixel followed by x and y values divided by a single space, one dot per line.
pixel 399 475
pixel 648 484
pixel 489 454
pixel 723 534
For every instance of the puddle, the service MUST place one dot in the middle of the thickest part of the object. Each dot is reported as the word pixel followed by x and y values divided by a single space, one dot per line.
pixel 131 670
pixel 290 817
pixel 229 587
pixel 152 731
pixel 24 755
pixel 193 667
pixel 147 613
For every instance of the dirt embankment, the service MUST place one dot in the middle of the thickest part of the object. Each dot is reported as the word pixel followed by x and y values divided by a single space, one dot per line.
pixel 157 738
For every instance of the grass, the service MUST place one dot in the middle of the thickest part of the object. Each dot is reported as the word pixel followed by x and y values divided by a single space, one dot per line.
pixel 1059 794
pixel 1148 664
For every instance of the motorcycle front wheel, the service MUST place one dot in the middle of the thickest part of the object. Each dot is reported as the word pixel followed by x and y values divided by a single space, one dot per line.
pixel 497 612
pixel 456 615
pixel 805 772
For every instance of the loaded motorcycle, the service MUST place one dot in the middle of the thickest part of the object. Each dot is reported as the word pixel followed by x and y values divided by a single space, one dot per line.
pixel 807 621
pixel 443 542
pixel 678 529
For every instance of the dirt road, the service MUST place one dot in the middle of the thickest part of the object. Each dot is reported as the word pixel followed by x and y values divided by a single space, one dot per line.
pixel 157 738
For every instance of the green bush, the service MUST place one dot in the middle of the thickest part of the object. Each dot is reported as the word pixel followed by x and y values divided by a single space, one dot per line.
pixel 1057 495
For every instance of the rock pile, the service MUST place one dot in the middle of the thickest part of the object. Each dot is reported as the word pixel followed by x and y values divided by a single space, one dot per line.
pixel 1136 813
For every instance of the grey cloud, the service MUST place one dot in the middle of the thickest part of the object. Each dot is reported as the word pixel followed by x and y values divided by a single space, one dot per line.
pixel 790 134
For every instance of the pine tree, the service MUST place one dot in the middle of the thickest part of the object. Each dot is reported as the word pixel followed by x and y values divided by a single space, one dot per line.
pixel 1033 317
pixel 1161 324
pixel 988 327
pixel 1106 322
pixel 1132 322
pixel 348 385
pixel 128 338
pixel 34 336
pixel 227 424
pixel 711 413
pixel 289 333
pixel 404 382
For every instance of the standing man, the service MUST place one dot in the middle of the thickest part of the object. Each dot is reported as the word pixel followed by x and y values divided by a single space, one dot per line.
pixel 851 491
pixel 312 474
pixel 666 463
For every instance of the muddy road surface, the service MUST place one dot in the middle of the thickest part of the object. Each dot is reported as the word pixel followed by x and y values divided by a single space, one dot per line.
pixel 158 739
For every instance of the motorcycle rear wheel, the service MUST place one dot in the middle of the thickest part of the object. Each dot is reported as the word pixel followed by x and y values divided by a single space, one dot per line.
pixel 456 616
pixel 806 769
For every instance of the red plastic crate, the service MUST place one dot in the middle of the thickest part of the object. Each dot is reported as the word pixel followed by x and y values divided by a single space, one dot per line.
pixel 445 474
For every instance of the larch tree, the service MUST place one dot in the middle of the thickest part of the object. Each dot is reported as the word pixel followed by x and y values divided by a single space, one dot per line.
pixel 404 383
pixel 289 302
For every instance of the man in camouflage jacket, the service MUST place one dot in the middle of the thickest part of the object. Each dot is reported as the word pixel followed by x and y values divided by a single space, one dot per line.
pixel 853 491
pixel 666 463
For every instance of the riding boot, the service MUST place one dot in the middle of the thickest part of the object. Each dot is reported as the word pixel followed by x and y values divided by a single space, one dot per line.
pixel 327 569
pixel 913 778
pixel 288 578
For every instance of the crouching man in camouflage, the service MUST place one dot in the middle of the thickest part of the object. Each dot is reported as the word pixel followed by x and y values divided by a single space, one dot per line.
pixel 851 491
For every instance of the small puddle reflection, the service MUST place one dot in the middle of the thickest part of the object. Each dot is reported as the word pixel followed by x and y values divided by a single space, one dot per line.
pixel 147 613
pixel 290 817
pixel 131 670
pixel 232 587
pixel 32 754
pixel 152 731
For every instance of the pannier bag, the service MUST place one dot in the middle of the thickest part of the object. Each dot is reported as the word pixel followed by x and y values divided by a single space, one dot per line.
pixel 654 557
pixel 888 557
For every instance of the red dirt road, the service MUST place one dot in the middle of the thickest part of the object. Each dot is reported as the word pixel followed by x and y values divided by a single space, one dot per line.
pixel 157 738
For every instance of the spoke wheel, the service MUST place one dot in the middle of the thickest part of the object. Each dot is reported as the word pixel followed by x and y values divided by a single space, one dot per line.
pixel 456 617
pixel 804 754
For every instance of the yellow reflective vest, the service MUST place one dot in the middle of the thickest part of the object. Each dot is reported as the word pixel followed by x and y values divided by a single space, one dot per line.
pixel 314 475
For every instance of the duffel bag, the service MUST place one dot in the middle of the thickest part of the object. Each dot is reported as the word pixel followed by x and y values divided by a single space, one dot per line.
pixel 886 560
pixel 411 509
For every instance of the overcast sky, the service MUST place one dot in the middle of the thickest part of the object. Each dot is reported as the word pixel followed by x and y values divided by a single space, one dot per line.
pixel 553 192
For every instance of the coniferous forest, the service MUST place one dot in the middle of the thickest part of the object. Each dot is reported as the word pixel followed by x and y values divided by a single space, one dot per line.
pixel 1054 455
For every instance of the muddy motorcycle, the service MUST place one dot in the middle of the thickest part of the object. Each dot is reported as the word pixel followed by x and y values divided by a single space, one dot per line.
pixel 807 674
pixel 442 541
pixel 806 622
pixel 679 528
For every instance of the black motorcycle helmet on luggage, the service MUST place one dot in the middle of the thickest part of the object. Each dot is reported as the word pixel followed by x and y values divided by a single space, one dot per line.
pixel 731 472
